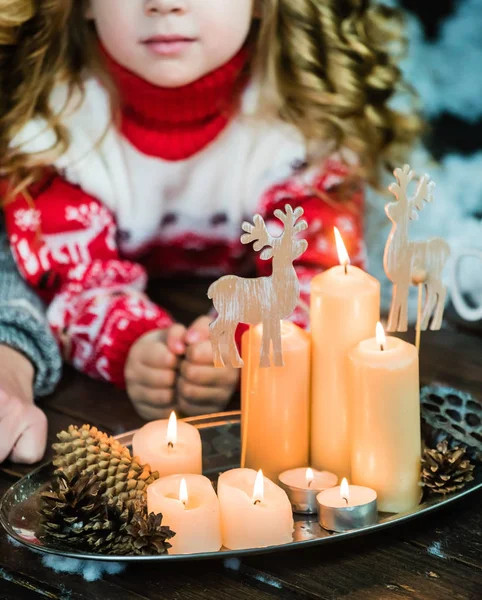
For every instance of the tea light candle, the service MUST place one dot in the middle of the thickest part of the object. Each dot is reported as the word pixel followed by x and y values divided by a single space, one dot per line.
pixel 344 308
pixel 385 412
pixel 169 447
pixel 302 486
pixel 190 508
pixel 345 507
pixel 255 512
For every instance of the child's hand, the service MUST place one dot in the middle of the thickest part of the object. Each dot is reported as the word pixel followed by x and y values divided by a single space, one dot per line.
pixel 151 371
pixel 201 387
pixel 23 426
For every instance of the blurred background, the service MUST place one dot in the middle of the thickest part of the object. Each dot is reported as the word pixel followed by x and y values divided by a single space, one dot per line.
pixel 444 64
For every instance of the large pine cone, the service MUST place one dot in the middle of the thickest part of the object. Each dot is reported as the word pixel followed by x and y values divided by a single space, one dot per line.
pixel 445 470
pixel 86 450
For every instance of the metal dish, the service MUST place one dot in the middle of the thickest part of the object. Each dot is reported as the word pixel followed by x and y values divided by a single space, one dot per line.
pixel 221 451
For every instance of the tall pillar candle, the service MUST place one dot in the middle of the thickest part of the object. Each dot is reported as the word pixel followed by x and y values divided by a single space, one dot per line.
pixel 385 406
pixel 345 307
pixel 275 402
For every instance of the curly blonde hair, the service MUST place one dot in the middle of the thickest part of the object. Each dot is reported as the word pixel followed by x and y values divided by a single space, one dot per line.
pixel 326 66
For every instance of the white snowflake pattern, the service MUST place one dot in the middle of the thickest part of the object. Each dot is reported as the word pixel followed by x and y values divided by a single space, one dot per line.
pixel 345 224
pixel 27 219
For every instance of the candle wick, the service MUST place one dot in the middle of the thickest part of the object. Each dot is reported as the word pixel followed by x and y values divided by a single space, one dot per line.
pixel 346 500
pixel 346 269
pixel 257 502
pixel 170 445
pixel 310 482
pixel 382 347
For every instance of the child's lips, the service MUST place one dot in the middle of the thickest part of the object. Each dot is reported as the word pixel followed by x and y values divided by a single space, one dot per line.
pixel 168 45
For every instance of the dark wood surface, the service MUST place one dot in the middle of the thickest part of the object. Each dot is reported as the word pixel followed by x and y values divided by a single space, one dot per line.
pixel 437 557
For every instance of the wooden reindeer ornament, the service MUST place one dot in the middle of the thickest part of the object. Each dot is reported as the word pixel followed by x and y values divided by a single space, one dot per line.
pixel 413 262
pixel 265 300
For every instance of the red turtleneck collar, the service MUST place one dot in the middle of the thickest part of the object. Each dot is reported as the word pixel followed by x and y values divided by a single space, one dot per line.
pixel 175 123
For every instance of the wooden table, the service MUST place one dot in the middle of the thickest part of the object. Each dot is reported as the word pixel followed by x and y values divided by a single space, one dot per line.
pixel 439 557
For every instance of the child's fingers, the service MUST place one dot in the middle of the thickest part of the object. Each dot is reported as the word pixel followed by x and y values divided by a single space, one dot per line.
pixel 200 353
pixel 175 339
pixel 199 330
pixel 153 398
pixel 151 377
pixel 157 356
pixel 201 394
pixel 208 375
pixel 30 446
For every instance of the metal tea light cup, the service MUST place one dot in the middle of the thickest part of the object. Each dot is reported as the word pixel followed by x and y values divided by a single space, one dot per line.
pixel 346 518
pixel 303 499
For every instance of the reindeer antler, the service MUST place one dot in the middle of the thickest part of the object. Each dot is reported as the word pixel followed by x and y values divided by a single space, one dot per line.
pixel 404 177
pixel 289 218
pixel 256 233
pixel 424 191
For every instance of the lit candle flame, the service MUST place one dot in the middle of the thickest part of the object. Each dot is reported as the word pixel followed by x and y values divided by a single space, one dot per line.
pixel 345 490
pixel 258 492
pixel 183 497
pixel 171 436
pixel 381 337
pixel 309 476
pixel 341 249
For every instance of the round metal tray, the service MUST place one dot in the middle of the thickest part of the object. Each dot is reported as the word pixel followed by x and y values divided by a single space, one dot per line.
pixel 220 433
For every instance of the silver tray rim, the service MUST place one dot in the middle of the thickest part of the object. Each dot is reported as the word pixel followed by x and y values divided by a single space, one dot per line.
pixel 226 418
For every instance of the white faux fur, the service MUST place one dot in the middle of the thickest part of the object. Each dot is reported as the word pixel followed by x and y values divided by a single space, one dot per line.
pixel 446 74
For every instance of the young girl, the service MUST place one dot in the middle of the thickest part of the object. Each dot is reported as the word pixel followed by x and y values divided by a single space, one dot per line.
pixel 169 122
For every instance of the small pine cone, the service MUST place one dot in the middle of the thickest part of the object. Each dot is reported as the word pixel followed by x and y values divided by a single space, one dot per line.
pixel 68 507
pixel 125 529
pixel 148 534
pixel 445 470
pixel 87 450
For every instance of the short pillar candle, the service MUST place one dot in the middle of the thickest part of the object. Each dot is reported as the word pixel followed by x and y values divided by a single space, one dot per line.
pixel 255 512
pixel 169 446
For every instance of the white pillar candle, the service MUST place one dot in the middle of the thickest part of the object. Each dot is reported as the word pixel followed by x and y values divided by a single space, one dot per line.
pixel 169 446
pixel 253 517
pixel 191 511
pixel 345 307
pixel 385 411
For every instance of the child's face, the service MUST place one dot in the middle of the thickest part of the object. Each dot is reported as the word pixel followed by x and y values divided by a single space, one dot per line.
pixel 171 43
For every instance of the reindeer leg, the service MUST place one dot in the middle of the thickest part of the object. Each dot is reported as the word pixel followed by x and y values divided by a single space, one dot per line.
pixel 216 330
pixel 394 310
pixel 264 360
pixel 277 347
pixel 235 358
pixel 430 303
pixel 439 309
pixel 403 318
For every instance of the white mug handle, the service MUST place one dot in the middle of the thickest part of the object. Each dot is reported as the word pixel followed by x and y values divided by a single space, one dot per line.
pixel 465 311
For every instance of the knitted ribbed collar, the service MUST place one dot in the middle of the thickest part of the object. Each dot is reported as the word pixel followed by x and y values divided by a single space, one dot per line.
pixel 175 123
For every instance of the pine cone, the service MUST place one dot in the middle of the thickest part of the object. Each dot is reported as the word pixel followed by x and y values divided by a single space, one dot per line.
pixel 68 508
pixel 87 450
pixel 76 514
pixel 445 470
pixel 126 529
pixel 148 535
